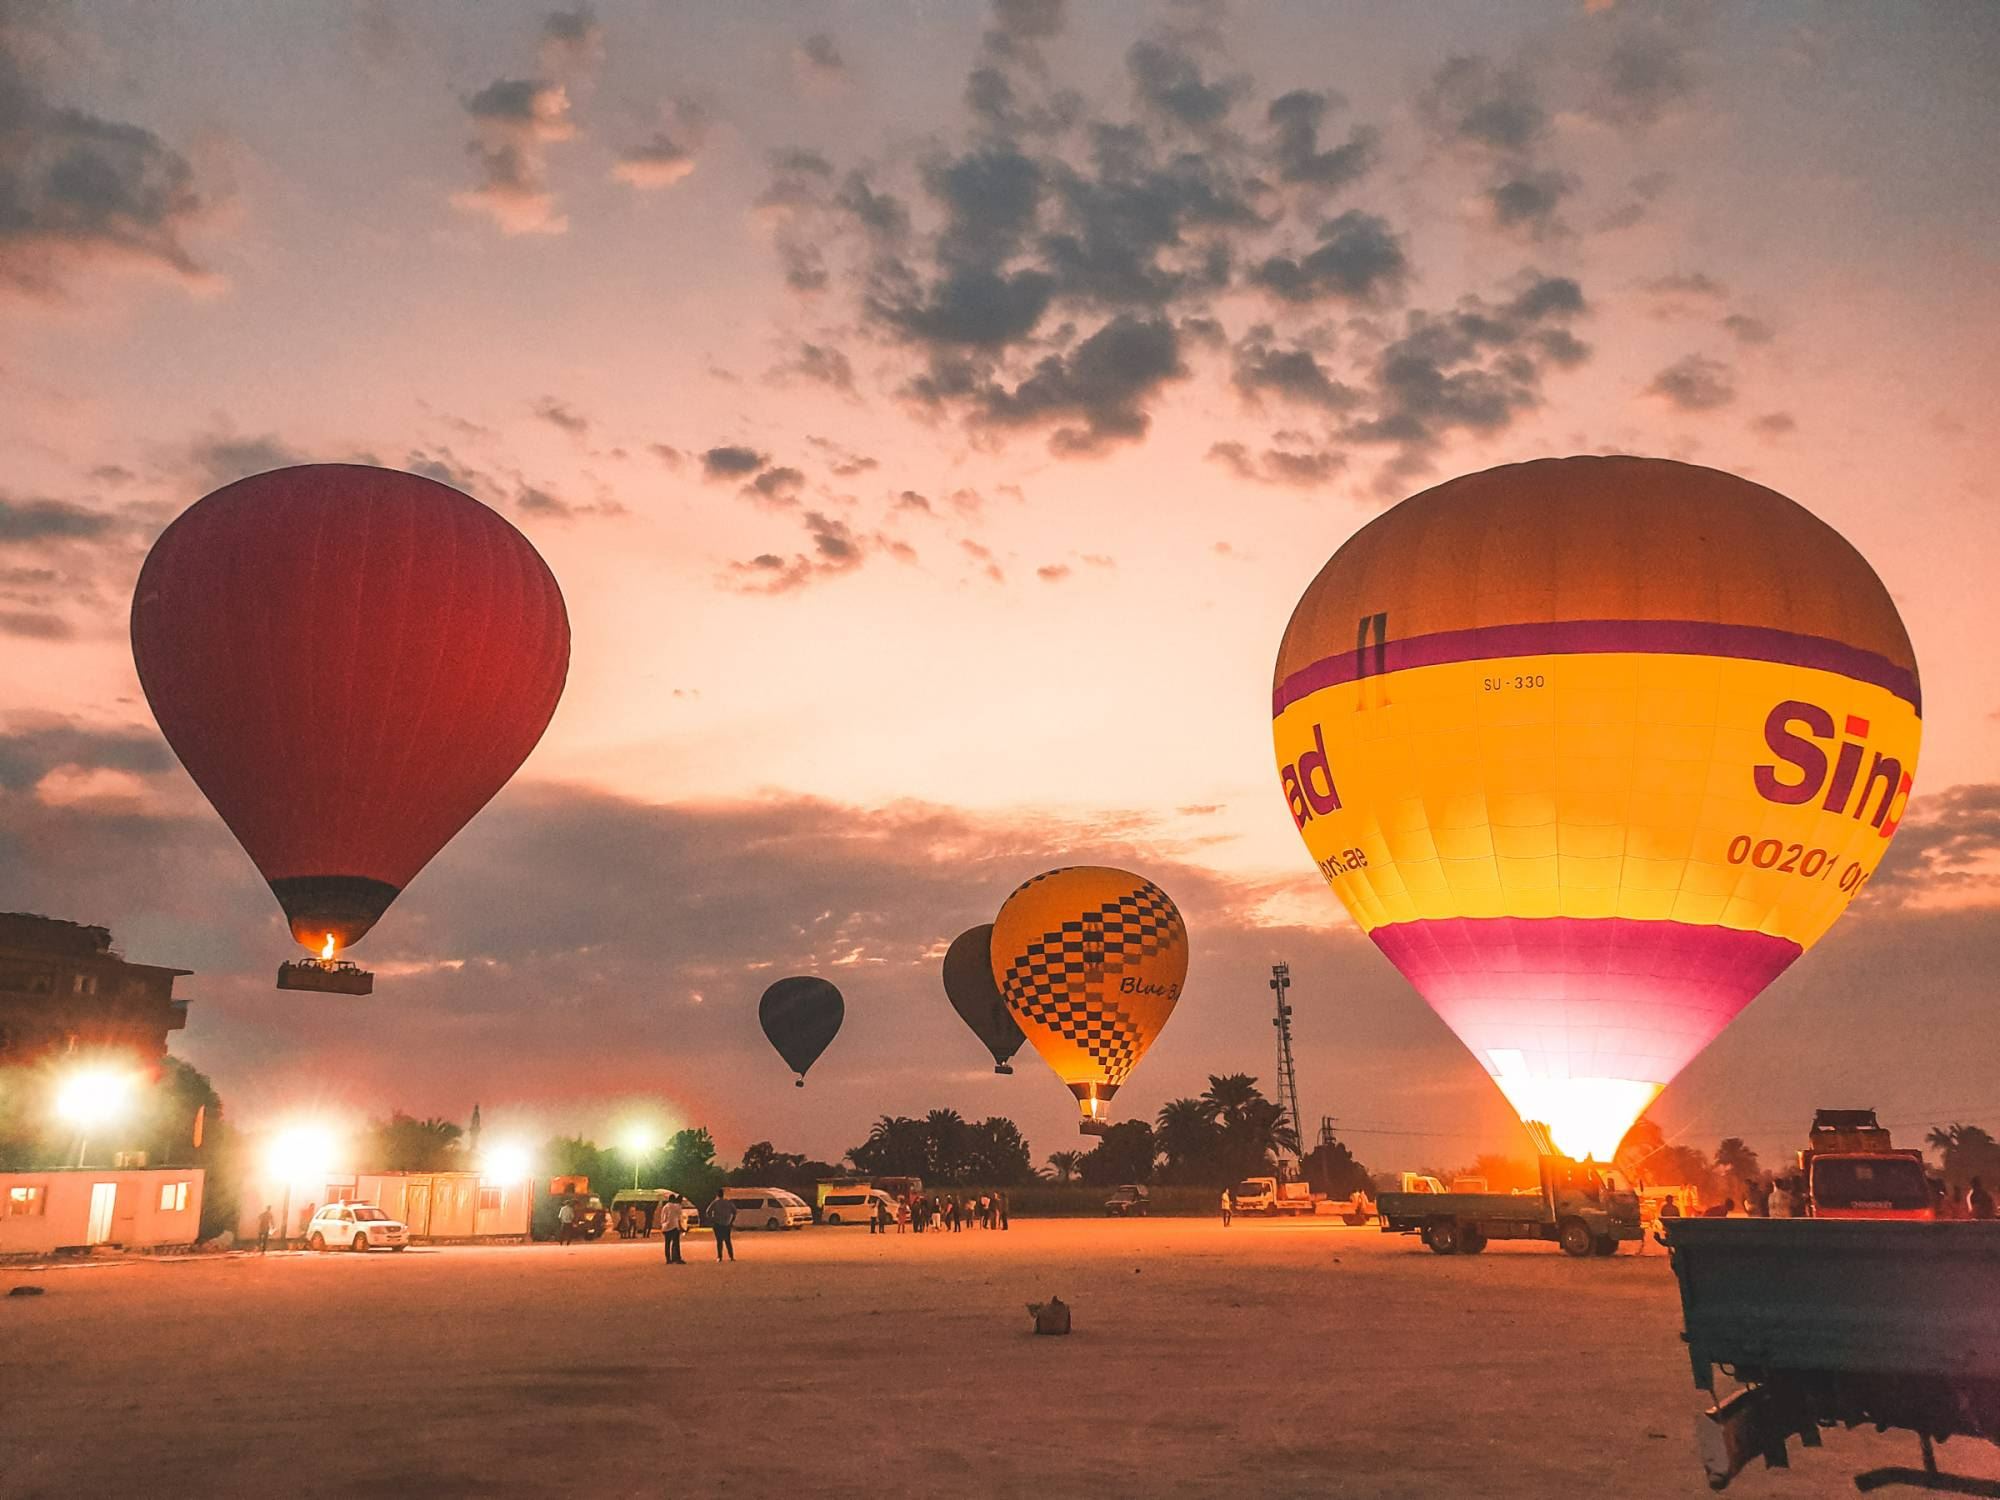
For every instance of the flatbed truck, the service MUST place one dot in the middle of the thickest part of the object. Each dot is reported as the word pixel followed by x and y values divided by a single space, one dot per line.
pixel 1579 1206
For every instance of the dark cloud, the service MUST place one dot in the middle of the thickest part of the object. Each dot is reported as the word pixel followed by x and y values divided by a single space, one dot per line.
pixel 1360 259
pixel 445 467
pixel 1775 423
pixel 1295 120
pixel 659 162
pixel 911 500
pixel 667 454
pixel 1646 75
pixel 46 520
pixel 819 56
pixel 78 190
pixel 732 461
pixel 822 363
pixel 515 121
pixel 571 40
pixel 562 414
pixel 221 459
pixel 1168 81
pixel 833 549
pixel 1307 469
pixel 1528 201
pixel 1687 284
pixel 35 625
pixel 1289 373
pixel 1096 395
pixel 1474 369
pixel 1695 383
pixel 778 485
pixel 31 746
pixel 1749 330
pixel 1948 850
pixel 1469 102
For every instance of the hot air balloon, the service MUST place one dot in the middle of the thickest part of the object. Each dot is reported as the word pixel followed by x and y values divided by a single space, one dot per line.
pixel 1593 749
pixel 801 1015
pixel 350 662
pixel 968 984
pixel 1091 961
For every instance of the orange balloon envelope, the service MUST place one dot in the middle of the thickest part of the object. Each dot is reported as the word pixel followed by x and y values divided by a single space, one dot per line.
pixel 1593 748
pixel 1091 961
pixel 350 662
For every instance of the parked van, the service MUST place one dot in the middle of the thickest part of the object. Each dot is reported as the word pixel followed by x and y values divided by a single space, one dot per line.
pixel 856 1206
pixel 768 1208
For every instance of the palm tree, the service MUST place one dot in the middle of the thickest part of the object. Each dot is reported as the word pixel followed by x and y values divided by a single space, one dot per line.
pixel 1066 1164
pixel 1188 1134
pixel 1738 1163
pixel 1230 1095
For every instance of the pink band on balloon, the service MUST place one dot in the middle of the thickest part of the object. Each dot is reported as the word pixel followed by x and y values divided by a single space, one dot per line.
pixel 1600 637
pixel 1602 997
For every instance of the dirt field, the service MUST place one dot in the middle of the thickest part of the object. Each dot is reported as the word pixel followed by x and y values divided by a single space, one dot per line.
pixel 1268 1359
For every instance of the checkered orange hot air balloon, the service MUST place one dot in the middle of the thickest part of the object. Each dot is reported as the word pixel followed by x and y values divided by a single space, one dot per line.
pixel 1593 748
pixel 1091 961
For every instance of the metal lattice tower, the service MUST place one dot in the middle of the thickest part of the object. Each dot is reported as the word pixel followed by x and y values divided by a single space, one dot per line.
pixel 1288 1073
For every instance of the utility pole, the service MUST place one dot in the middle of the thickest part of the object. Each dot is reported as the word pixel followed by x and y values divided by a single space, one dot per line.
pixel 1288 1073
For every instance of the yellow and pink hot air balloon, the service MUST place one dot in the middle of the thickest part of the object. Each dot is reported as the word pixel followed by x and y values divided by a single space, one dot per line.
pixel 1593 748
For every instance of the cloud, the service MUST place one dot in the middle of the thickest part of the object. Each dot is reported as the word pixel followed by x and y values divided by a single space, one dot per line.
pixel 1095 396
pixel 1695 383
pixel 35 625
pixel 572 41
pixel 1749 330
pixel 843 462
pixel 823 364
pixel 1295 121
pixel 731 461
pixel 44 520
pixel 1471 103
pixel 818 57
pixel 223 459
pixel 1474 368
pixel 561 414
pixel 1308 469
pixel 1946 853
pixel 1053 572
pixel 659 162
pixel 78 190
pixel 1775 424
pixel 33 745
pixel 1687 284
pixel 778 485
pixel 1292 374
pixel 1645 76
pixel 834 548
pixel 445 467
pixel 538 500
pixel 1167 80
pixel 1360 259
pixel 1528 201
pixel 516 120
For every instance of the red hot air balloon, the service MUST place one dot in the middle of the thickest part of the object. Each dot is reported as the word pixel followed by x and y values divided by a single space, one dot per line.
pixel 350 662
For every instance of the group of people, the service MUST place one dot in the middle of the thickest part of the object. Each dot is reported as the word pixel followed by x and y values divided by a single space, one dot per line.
pixel 941 1212
pixel 1786 1199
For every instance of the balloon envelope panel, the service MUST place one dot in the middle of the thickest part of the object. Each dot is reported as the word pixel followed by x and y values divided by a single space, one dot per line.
pixel 1091 961
pixel 350 662
pixel 1593 749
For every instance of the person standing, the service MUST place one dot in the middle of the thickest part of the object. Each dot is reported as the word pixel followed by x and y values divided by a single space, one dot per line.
pixel 902 1216
pixel 264 1222
pixel 722 1219
pixel 1978 1202
pixel 1779 1204
pixel 565 1222
pixel 1228 1208
pixel 1000 1201
pixel 671 1224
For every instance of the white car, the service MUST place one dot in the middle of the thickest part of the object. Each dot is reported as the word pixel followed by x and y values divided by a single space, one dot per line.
pixel 355 1226
pixel 768 1208
pixel 857 1206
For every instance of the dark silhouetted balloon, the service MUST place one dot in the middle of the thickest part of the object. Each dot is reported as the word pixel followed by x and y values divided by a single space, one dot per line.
pixel 968 983
pixel 801 1015
pixel 350 662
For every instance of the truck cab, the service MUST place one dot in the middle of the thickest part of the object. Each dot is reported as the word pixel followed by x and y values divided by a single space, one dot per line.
pixel 1851 1171
pixel 1267 1195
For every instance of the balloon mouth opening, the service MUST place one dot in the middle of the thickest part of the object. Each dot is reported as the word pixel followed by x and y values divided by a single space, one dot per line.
pixel 1586 1118
pixel 1092 1099
pixel 329 913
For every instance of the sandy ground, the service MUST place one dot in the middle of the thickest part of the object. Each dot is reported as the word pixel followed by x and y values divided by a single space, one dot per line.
pixel 1268 1359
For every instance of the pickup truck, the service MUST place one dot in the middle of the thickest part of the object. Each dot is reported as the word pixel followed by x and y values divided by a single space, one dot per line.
pixel 1826 1322
pixel 1267 1195
pixel 1133 1200
pixel 1578 1206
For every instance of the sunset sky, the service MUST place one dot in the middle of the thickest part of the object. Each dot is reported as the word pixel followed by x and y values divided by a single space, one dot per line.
pixel 932 413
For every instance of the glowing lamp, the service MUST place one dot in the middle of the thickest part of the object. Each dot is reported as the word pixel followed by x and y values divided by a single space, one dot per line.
pixel 92 1097
pixel 301 1153
pixel 508 1162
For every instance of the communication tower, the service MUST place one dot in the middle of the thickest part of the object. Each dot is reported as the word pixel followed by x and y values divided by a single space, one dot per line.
pixel 1288 1073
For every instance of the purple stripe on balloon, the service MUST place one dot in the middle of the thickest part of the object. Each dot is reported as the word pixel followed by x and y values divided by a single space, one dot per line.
pixel 1590 637
pixel 1596 997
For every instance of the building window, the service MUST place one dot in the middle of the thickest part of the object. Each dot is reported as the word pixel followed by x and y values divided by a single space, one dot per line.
pixel 173 1197
pixel 489 1199
pixel 24 1202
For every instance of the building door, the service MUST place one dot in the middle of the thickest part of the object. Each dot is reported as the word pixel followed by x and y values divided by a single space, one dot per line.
pixel 417 1208
pixel 103 1201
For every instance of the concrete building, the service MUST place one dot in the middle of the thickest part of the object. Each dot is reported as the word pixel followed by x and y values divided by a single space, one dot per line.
pixel 435 1205
pixel 74 1207
pixel 63 989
